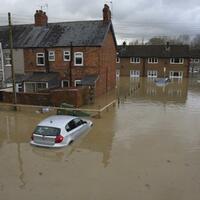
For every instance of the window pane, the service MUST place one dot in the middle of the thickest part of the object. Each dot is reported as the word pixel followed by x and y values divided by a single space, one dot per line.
pixel 78 61
pixel 66 55
pixel 78 58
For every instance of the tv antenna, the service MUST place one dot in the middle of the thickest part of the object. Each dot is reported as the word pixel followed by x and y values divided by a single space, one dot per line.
pixel 44 7
pixel 110 3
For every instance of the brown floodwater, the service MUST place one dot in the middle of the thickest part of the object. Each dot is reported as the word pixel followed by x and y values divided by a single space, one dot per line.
pixel 145 148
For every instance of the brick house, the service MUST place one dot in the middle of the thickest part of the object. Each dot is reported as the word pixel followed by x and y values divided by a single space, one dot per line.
pixel 67 54
pixel 195 61
pixel 153 61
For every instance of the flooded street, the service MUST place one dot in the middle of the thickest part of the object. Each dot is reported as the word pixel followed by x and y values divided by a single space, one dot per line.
pixel 146 148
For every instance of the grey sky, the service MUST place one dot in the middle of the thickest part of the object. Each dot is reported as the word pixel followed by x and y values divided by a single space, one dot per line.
pixel 132 19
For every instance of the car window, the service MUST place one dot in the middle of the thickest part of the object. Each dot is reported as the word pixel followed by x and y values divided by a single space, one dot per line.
pixel 71 125
pixel 78 122
pixel 47 131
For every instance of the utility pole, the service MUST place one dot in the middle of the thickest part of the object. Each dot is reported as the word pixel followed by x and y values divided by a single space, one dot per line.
pixel 11 61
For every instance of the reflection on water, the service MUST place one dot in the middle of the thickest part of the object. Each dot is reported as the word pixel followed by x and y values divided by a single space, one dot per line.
pixel 138 150
pixel 146 90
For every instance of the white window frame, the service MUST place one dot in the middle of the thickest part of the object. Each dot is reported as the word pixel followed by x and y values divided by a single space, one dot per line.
pixel 152 73
pixel 35 89
pixel 40 55
pixel 62 83
pixel 76 81
pixel 134 73
pixel 118 59
pixel 172 61
pixel 78 55
pixel 171 75
pixel 66 53
pixel 117 73
pixel 196 60
pixel 153 60
pixel 7 59
pixel 134 60
pixel 19 86
pixel 51 56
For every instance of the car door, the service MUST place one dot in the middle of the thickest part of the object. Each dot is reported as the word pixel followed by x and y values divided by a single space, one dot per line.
pixel 76 127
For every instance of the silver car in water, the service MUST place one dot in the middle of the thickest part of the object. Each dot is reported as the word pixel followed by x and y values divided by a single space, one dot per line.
pixel 59 130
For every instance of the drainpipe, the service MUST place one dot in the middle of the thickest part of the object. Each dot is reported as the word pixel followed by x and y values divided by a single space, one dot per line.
pixel 70 64
pixel 2 63
pixel 46 60
pixel 144 60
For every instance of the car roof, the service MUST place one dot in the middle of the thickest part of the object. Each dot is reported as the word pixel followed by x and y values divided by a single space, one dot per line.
pixel 58 121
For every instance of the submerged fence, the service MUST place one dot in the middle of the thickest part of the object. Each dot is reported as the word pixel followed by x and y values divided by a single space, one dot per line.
pixel 43 109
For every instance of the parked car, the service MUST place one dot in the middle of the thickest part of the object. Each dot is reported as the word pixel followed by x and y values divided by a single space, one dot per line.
pixel 59 130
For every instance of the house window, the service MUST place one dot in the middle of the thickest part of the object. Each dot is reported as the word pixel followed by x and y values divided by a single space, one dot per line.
pixel 19 87
pixel 35 86
pixel 152 60
pixel 66 55
pixel 51 55
pixel 135 73
pixel 77 83
pixel 78 59
pixel 152 73
pixel 176 74
pixel 40 60
pixel 117 60
pixel 176 61
pixel 134 60
pixel 41 86
pixel 118 73
pixel 65 83
pixel 7 59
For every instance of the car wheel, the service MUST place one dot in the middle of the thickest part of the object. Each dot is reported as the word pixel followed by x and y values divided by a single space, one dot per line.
pixel 70 142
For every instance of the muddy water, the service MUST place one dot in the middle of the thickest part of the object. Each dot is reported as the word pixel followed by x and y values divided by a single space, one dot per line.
pixel 146 148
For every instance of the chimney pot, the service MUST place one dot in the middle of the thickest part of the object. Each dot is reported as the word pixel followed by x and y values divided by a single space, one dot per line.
pixel 41 18
pixel 106 14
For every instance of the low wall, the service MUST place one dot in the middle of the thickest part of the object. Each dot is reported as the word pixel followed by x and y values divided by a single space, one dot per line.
pixel 75 96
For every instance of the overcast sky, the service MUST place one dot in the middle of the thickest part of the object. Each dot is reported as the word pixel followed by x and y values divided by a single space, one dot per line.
pixel 132 19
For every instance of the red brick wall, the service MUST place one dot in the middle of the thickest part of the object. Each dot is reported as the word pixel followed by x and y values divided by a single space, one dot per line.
pixel 91 62
pixel 107 79
pixel 125 66
pixel 74 96
pixel 97 60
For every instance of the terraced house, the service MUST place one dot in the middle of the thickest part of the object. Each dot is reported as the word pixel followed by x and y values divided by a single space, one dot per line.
pixel 65 54
pixel 153 61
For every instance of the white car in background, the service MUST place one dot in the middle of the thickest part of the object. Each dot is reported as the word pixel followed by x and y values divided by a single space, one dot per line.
pixel 59 130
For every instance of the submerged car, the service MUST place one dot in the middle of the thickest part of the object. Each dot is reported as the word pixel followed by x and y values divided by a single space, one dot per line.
pixel 59 130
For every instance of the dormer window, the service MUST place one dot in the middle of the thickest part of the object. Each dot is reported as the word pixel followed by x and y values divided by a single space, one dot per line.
pixel 176 61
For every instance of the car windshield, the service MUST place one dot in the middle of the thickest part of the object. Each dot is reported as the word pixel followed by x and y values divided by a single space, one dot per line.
pixel 47 131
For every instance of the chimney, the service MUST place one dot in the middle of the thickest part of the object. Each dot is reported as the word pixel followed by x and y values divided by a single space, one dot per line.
pixel 167 46
pixel 124 44
pixel 106 14
pixel 41 18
